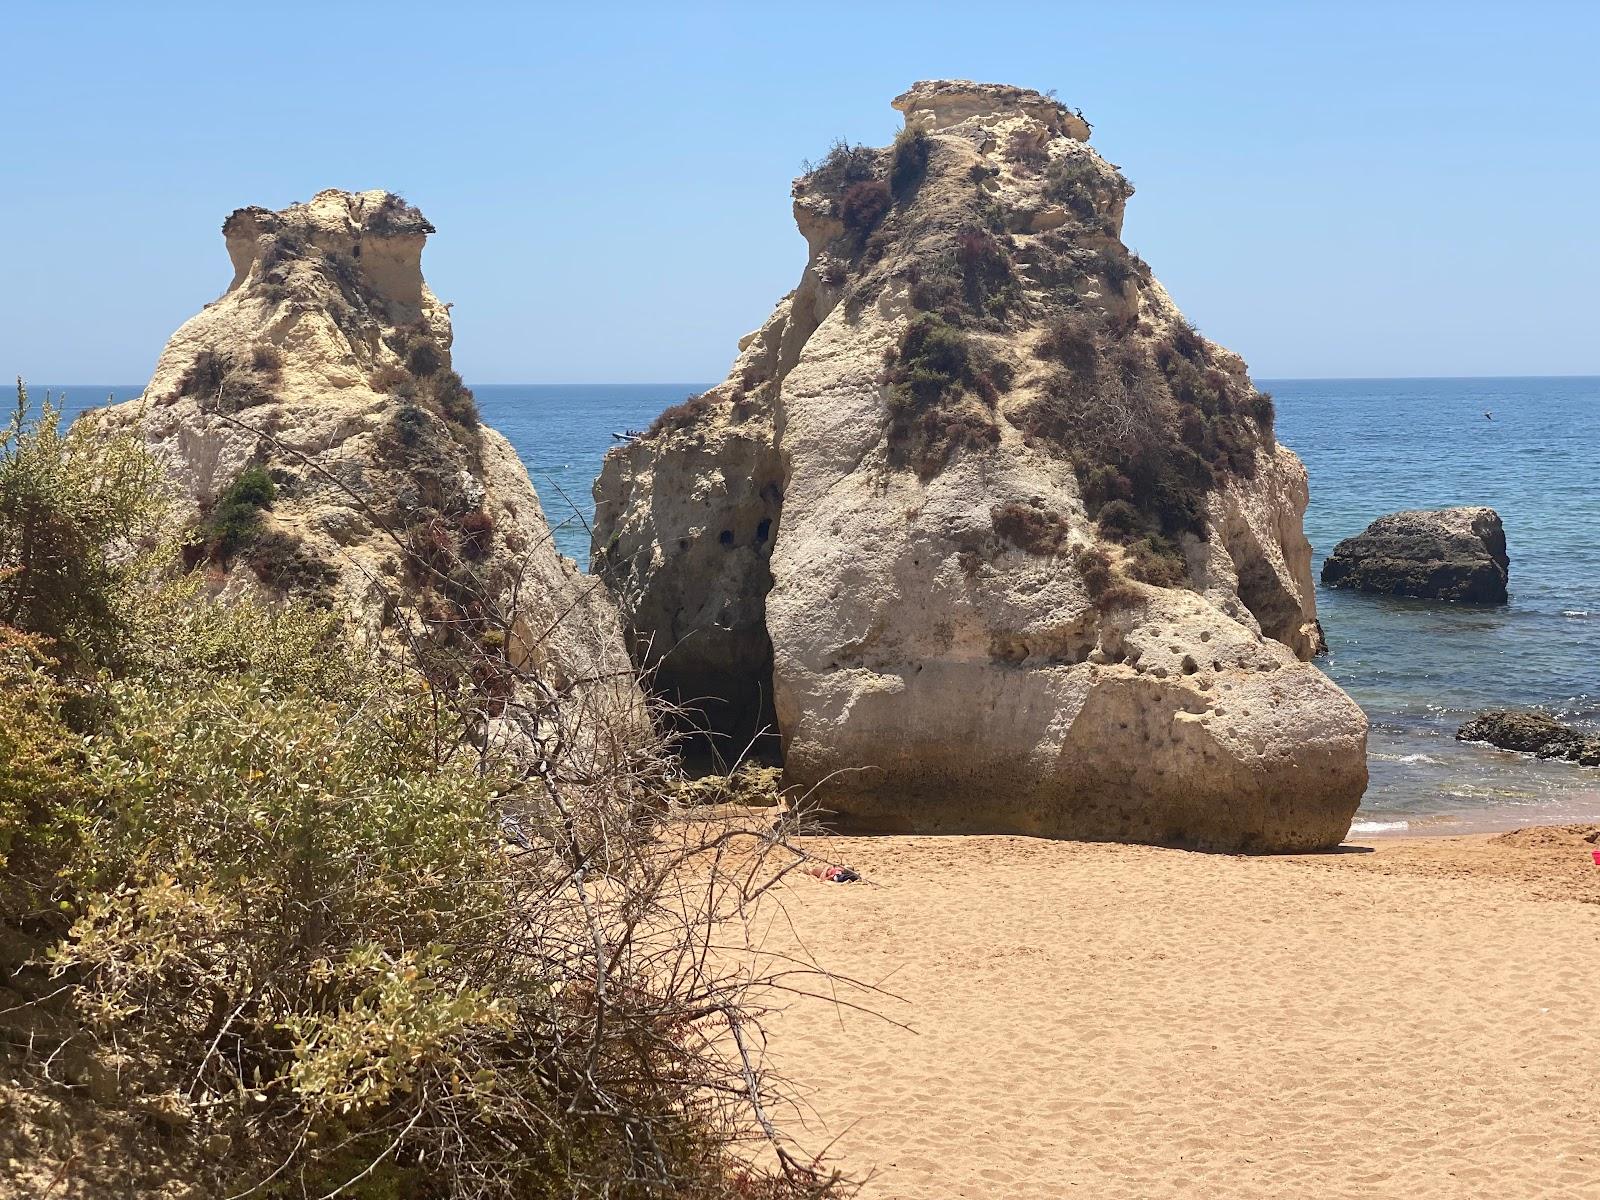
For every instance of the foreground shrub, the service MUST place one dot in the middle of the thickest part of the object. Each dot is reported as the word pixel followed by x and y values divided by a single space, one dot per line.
pixel 337 931
pixel 42 798
pixel 79 515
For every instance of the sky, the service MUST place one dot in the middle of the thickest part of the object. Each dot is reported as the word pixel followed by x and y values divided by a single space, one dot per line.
pixel 1337 190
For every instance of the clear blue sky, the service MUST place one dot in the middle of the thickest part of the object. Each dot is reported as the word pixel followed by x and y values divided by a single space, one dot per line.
pixel 1330 189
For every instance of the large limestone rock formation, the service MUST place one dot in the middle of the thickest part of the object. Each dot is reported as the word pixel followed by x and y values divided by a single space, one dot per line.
pixel 326 365
pixel 1010 546
pixel 1456 554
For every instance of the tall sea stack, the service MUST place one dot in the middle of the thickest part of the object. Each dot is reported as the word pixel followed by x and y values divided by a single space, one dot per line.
pixel 995 537
pixel 311 420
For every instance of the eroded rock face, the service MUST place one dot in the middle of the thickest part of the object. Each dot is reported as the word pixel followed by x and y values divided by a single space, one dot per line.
pixel 1456 554
pixel 1035 561
pixel 326 365
pixel 1533 733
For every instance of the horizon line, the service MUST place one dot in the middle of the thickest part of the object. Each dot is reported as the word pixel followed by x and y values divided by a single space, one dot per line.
pixel 689 383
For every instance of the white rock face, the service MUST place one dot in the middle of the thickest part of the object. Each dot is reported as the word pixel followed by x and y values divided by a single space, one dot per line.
pixel 1033 560
pixel 327 363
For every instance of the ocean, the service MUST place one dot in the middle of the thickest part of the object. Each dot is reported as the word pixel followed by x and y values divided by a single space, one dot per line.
pixel 1372 446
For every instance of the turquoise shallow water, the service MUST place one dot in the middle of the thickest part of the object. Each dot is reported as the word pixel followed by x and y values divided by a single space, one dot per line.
pixel 1372 446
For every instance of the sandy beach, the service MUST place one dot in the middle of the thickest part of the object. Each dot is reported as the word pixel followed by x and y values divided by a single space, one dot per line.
pixel 1408 1017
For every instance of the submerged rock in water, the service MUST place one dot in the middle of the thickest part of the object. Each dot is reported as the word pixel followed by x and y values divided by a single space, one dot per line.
pixel 1456 554
pixel 327 451
pixel 996 538
pixel 1533 733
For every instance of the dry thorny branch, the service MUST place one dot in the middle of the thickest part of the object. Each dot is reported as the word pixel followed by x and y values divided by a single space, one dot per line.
pixel 639 915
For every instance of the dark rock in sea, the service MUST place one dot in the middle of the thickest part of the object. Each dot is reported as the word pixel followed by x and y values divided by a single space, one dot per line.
pixel 1533 733
pixel 1456 554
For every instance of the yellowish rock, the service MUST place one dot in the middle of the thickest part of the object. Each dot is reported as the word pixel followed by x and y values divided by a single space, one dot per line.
pixel 980 523
pixel 326 363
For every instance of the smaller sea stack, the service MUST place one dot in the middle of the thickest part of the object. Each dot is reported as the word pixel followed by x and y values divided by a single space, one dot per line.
pixel 322 447
pixel 1454 554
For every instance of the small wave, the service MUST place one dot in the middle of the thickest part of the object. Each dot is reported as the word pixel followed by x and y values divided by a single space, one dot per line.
pixel 1379 826
pixel 1409 759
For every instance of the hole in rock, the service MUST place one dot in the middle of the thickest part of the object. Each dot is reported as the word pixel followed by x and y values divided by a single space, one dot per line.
pixel 705 636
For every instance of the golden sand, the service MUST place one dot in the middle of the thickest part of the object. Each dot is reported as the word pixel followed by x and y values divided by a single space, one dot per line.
pixel 1419 1019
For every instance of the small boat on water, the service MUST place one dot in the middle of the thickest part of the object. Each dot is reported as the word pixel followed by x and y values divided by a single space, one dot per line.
pixel 627 435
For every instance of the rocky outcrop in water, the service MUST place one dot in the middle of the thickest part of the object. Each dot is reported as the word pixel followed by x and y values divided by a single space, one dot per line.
pixel 1533 733
pixel 1456 554
pixel 1006 542
pixel 312 421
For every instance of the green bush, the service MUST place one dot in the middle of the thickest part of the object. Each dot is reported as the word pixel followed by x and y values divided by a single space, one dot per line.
pixel 266 360
pixel 477 534
pixel 217 378
pixel 683 414
pixel 1077 183
pixel 937 377
pixel 1094 567
pixel 1157 560
pixel 234 520
pixel 974 283
pixel 935 360
pixel 43 800
pixel 989 282
pixel 1115 267
pixel 1026 148
pixel 1074 341
pixel 454 401
pixel 80 516
pixel 1107 587
pixel 1119 519
pixel 395 215
pixel 424 357
pixel 294 922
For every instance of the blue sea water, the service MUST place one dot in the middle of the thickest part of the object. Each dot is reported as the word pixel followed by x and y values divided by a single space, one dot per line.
pixel 1418 670
pixel 1372 446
